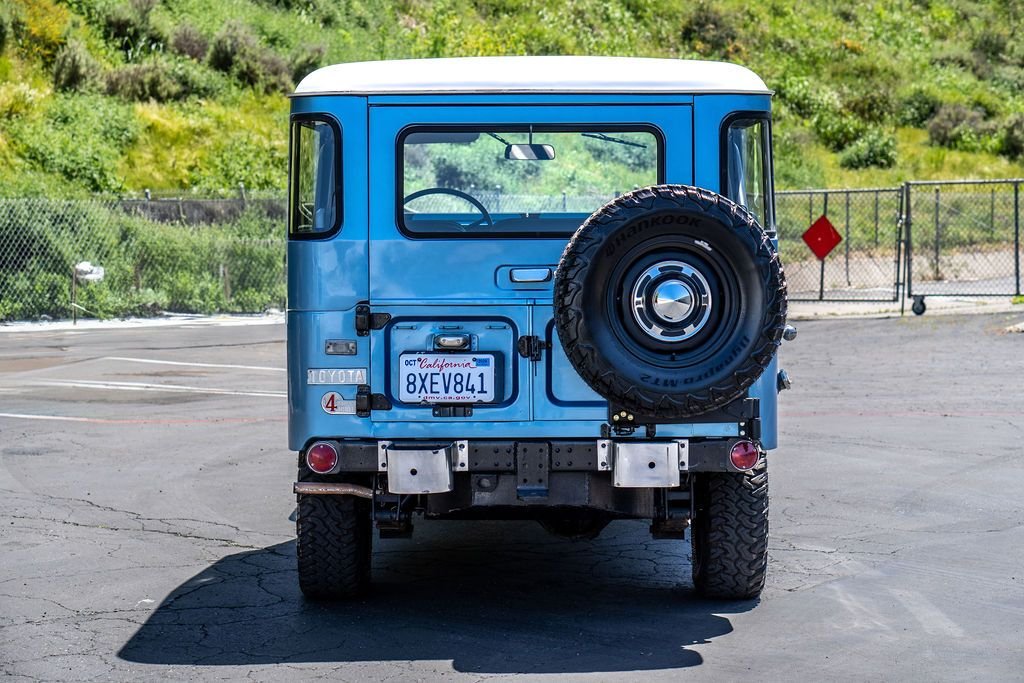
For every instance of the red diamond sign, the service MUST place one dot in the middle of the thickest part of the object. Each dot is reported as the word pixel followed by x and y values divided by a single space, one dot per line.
pixel 822 237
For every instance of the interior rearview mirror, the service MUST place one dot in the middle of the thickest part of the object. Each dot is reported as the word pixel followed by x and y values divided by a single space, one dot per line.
pixel 530 152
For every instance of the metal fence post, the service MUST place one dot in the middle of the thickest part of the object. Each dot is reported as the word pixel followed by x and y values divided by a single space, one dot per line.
pixel 846 239
pixel 897 287
pixel 908 243
pixel 937 235
pixel 821 280
pixel 1016 235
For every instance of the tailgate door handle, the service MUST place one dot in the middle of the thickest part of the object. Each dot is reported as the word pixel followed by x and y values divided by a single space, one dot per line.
pixel 530 274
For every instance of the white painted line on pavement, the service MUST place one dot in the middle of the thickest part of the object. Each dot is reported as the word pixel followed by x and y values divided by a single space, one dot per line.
pixel 930 616
pixel 143 421
pixel 60 418
pixel 142 386
pixel 198 365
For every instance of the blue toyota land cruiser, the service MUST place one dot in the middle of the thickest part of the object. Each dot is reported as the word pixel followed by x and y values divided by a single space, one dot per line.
pixel 533 288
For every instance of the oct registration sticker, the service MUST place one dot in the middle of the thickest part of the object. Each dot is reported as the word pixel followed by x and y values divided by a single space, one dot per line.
pixel 446 378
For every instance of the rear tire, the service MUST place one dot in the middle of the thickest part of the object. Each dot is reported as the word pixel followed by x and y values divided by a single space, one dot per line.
pixel 334 546
pixel 729 536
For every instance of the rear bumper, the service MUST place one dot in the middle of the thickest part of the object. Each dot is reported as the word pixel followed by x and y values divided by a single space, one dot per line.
pixel 502 479
pixel 361 455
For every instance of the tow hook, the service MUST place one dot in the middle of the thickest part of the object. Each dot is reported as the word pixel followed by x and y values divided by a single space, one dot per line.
pixel 789 333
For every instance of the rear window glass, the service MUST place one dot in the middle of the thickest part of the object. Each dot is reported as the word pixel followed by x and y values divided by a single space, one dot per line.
pixel 748 168
pixel 532 180
pixel 315 154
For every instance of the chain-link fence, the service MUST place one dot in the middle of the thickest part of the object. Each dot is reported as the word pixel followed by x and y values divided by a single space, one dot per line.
pixel 864 266
pixel 188 255
pixel 964 238
pixel 179 255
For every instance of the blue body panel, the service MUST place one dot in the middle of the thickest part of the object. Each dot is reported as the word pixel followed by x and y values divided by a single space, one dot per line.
pixel 432 284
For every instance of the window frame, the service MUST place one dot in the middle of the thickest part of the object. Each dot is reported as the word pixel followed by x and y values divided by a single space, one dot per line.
pixel 611 128
pixel 294 123
pixel 728 122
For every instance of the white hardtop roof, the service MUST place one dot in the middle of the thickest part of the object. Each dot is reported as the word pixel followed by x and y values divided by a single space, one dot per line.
pixel 623 75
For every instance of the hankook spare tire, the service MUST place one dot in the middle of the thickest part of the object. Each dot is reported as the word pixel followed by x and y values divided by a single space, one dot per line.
pixel 670 301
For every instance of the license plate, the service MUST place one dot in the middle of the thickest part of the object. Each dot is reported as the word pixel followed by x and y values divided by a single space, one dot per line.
pixel 446 378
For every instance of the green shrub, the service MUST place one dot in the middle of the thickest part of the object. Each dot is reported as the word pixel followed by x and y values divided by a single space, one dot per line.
pixel 708 30
pixel 39 28
pixel 307 60
pixel 1009 77
pixel 189 42
pixel 17 99
pixel 806 99
pixel 990 42
pixel 872 103
pixel 234 39
pixel 74 69
pixel 147 81
pixel 129 25
pixel 1011 137
pixel 197 80
pixel 837 130
pixel 917 107
pixel 869 83
pixel 955 56
pixel 5 27
pixel 161 80
pixel 264 69
pixel 874 148
pixel 957 127
pixel 238 52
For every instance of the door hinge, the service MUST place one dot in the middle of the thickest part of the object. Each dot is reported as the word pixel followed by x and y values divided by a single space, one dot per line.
pixel 366 321
pixel 531 347
pixel 365 401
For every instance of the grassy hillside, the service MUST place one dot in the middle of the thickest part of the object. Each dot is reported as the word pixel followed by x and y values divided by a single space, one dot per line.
pixel 98 95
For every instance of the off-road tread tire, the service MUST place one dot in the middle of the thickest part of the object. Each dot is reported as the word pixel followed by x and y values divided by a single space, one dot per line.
pixel 586 245
pixel 334 546
pixel 729 539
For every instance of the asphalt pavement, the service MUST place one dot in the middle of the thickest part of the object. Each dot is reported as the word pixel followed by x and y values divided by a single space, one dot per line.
pixel 147 529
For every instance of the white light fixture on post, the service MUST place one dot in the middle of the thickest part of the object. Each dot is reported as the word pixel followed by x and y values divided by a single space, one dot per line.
pixel 83 271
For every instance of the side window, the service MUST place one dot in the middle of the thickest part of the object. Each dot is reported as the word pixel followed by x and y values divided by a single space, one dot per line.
pixel 314 203
pixel 747 168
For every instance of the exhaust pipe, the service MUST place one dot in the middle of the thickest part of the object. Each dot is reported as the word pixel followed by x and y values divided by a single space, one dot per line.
pixel 315 488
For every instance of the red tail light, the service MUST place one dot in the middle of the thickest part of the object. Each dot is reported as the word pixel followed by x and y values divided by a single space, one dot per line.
pixel 744 455
pixel 322 457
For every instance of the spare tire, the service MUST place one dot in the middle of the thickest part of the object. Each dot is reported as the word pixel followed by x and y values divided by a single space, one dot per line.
pixel 670 301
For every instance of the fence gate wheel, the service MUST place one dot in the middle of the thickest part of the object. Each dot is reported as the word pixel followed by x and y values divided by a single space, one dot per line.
pixel 918 307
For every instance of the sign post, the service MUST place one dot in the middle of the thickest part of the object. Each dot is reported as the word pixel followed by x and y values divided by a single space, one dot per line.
pixel 821 238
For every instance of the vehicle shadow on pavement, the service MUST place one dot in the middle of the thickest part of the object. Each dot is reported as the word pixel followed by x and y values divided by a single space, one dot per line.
pixel 492 597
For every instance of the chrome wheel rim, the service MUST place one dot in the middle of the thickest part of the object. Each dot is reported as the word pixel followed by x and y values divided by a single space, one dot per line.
pixel 671 301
